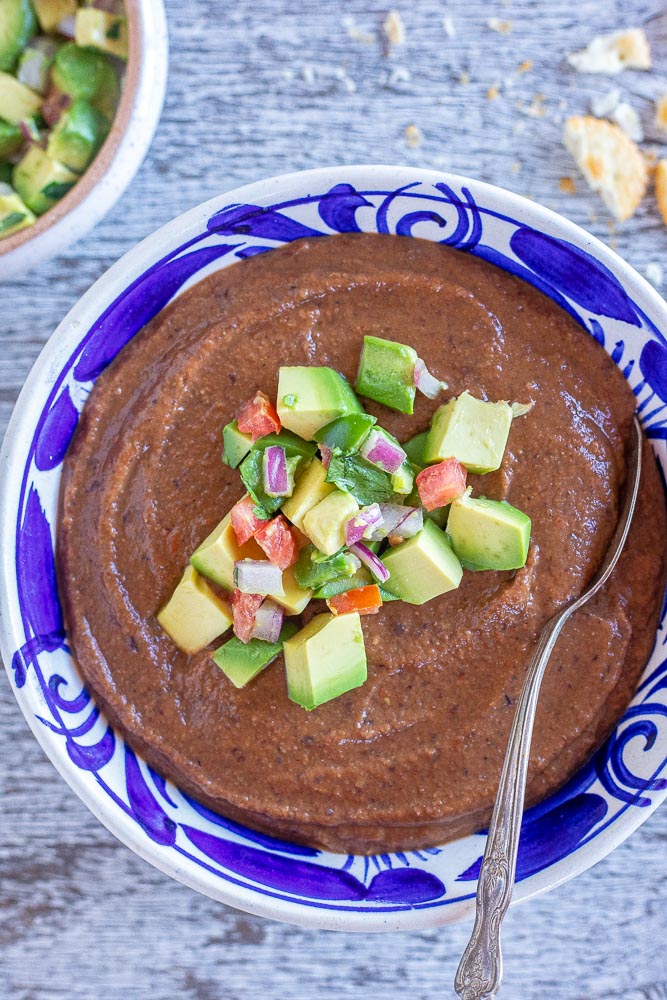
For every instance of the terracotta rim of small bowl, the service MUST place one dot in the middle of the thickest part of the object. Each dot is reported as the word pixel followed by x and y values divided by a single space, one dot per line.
pixel 105 159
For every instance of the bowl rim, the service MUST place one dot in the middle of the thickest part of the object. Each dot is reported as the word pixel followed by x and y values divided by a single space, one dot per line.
pixel 147 62
pixel 105 290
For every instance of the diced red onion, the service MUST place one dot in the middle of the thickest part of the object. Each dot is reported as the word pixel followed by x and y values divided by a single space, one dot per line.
pixel 363 524
pixel 268 621
pixel 413 523
pixel 380 451
pixel 370 561
pixel 274 471
pixel 258 576
pixel 54 106
pixel 67 26
pixel 428 384
pixel 34 70
pixel 29 130
pixel 326 454
pixel 393 515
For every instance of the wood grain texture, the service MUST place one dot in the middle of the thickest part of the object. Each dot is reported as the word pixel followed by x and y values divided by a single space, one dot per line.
pixel 257 89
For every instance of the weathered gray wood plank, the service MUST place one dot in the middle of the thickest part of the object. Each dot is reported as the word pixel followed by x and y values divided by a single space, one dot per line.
pixel 257 89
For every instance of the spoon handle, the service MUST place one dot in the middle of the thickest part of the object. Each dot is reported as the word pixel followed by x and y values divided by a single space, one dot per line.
pixel 481 967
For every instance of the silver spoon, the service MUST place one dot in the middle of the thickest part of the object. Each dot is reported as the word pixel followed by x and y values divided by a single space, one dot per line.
pixel 480 970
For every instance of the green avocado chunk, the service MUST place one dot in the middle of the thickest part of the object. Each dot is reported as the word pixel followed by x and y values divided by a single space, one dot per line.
pixel 81 72
pixel 11 139
pixel 488 534
pixel 325 659
pixel 310 397
pixel 78 135
pixel 52 12
pixel 241 662
pixel 17 26
pixel 325 523
pixel 41 181
pixel 386 373
pixel 17 102
pixel 14 214
pixel 194 616
pixel 423 567
pixel 471 430
pixel 346 434
pixel 236 445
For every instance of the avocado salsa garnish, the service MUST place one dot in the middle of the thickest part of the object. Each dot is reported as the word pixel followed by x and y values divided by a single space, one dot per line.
pixel 337 509
pixel 61 64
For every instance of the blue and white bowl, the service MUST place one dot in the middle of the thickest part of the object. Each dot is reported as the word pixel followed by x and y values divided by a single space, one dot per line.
pixel 599 808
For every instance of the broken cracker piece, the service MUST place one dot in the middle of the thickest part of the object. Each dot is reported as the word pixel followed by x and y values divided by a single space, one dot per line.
pixel 612 53
pixel 626 116
pixel 661 188
pixel 497 24
pixel 610 161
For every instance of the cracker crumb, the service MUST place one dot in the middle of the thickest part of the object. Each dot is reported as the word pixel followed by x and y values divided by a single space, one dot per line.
pixel 661 188
pixel 567 185
pixel 413 136
pixel 308 74
pixel 464 77
pixel 517 166
pixel 493 92
pixel 628 119
pixel 497 24
pixel 399 74
pixel 610 162
pixel 525 66
pixel 605 104
pixel 609 54
pixel 654 273
pixel 449 27
pixel 393 28
pixel 661 113
pixel 535 109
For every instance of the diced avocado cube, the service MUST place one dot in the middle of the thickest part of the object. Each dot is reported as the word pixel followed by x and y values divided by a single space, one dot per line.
pixel 325 659
pixel 414 448
pixel 403 480
pixel 14 214
pixel 236 444
pixel 84 73
pixel 310 398
pixel 311 487
pixel 423 567
pixel 242 661
pixel 17 26
pixel 325 523
pixel 101 30
pixel 294 598
pixel 488 534
pixel 11 139
pixel 386 373
pixel 78 135
pixel 346 434
pixel 471 430
pixel 17 102
pixel 194 615
pixel 51 12
pixel 41 181
pixel 217 554
pixel 293 445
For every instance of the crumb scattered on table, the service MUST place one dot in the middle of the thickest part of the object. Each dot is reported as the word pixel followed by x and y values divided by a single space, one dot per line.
pixel 609 54
pixel 493 92
pixel 661 188
pixel 567 185
pixel 499 25
pixel 413 136
pixel 449 27
pixel 627 118
pixel 654 273
pixel 393 28
pixel 610 162
pixel 661 113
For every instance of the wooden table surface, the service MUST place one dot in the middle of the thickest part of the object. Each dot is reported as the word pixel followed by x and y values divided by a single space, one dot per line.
pixel 257 89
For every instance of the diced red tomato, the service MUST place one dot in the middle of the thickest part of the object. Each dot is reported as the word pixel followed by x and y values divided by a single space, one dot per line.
pixel 364 600
pixel 244 609
pixel 279 542
pixel 258 417
pixel 439 484
pixel 244 520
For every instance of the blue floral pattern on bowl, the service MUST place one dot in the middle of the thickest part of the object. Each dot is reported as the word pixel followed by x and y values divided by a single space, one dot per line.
pixel 563 835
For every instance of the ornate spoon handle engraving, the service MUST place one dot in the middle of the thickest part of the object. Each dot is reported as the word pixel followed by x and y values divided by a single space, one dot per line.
pixel 480 971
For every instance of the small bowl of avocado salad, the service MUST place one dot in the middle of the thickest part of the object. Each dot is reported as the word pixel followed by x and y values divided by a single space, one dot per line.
pixel 73 93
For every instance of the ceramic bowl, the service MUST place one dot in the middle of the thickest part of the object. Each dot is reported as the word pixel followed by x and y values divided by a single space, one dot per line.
pixel 120 157
pixel 564 835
